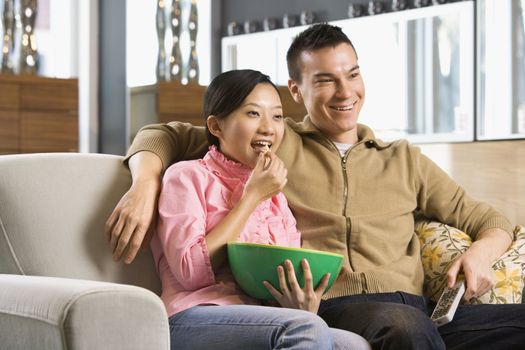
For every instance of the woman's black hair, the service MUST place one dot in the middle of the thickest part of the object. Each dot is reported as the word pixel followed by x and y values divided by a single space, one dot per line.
pixel 227 92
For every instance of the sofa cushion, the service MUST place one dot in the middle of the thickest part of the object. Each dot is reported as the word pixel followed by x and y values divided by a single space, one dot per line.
pixel 53 208
pixel 442 244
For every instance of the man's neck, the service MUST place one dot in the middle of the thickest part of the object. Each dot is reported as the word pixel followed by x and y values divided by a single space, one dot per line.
pixel 349 137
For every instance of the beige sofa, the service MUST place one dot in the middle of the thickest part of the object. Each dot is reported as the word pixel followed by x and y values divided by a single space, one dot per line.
pixel 59 288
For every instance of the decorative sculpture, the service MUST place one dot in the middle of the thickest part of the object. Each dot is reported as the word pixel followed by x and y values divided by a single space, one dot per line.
pixel 355 10
pixel 421 3
pixel 270 23
pixel 251 26
pixel 8 43
pixel 307 17
pixel 193 65
pixel 375 7
pixel 399 5
pixel 176 56
pixel 235 28
pixel 28 53
pixel 161 33
pixel 290 20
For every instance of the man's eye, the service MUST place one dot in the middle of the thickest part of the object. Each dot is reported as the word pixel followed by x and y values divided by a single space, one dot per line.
pixel 324 80
pixel 354 75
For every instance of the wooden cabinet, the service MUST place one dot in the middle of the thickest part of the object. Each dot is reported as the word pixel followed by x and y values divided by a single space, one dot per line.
pixel 38 114
pixel 184 103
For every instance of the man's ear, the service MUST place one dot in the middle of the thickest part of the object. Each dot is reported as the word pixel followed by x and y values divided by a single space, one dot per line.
pixel 294 91
pixel 213 125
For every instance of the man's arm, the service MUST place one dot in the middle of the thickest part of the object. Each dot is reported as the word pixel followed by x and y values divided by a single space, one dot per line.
pixel 134 213
pixel 154 149
pixel 442 199
pixel 476 263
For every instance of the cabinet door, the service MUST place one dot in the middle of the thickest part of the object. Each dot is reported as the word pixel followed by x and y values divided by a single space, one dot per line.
pixel 9 132
pixel 9 122
pixel 48 132
pixel 49 96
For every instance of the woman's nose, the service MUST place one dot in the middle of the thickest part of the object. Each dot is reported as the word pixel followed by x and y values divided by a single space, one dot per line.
pixel 266 126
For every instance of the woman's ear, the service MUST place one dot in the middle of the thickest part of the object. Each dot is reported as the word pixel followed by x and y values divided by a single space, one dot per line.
pixel 213 125
pixel 294 91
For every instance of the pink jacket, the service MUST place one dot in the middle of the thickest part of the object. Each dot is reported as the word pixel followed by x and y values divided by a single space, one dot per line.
pixel 195 196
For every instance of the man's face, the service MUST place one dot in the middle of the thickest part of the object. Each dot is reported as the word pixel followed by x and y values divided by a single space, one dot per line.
pixel 332 91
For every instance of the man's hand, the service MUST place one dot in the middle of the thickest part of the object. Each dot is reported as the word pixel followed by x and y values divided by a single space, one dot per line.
pixel 291 295
pixel 476 262
pixel 133 220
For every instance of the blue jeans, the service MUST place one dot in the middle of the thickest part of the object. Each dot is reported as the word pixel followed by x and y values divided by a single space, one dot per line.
pixel 256 327
pixel 401 321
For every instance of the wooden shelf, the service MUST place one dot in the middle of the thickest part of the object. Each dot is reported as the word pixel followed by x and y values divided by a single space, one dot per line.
pixel 38 114
pixel 184 103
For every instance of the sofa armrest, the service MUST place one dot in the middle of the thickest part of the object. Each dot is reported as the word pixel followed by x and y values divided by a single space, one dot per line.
pixel 58 313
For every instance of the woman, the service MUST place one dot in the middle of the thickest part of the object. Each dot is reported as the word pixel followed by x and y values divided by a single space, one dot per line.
pixel 234 194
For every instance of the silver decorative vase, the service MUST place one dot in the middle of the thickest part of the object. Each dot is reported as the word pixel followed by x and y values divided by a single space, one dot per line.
pixel 28 60
pixel 8 42
pixel 161 34
pixel 176 56
pixel 193 64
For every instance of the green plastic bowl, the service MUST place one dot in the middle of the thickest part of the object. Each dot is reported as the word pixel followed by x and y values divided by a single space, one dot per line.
pixel 252 263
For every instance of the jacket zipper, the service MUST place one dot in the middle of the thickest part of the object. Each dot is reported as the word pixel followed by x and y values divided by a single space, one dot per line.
pixel 344 159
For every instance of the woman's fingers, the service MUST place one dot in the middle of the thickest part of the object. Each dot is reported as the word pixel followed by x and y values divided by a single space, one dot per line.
pixel 274 292
pixel 322 285
pixel 292 280
pixel 308 280
pixel 282 280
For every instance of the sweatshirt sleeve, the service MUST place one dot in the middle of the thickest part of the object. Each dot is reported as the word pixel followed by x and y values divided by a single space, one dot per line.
pixel 172 142
pixel 442 199
pixel 182 227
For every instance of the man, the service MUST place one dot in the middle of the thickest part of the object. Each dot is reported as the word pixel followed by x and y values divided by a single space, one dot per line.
pixel 355 195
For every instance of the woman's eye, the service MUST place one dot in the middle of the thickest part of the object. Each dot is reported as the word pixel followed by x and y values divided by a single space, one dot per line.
pixel 278 116
pixel 253 113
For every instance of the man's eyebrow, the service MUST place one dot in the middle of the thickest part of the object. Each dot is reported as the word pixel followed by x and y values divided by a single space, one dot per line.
pixel 323 74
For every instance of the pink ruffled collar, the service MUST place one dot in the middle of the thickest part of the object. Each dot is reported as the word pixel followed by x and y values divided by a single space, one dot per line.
pixel 217 162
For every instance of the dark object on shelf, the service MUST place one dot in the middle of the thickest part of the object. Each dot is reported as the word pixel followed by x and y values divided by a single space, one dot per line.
pixel 307 17
pixel 421 3
pixel 355 10
pixel 251 26
pixel 375 7
pixel 439 2
pixel 234 28
pixel 271 24
pixel 399 5
pixel 290 20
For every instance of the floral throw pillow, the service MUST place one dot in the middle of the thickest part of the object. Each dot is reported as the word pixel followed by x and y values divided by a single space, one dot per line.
pixel 442 244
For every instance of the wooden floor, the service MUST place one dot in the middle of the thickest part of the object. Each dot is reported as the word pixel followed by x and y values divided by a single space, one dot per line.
pixel 490 171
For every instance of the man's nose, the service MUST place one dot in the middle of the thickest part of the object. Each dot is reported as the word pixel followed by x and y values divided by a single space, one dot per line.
pixel 344 89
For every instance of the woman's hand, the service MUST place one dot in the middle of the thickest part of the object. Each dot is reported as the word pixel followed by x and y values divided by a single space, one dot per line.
pixel 267 179
pixel 291 295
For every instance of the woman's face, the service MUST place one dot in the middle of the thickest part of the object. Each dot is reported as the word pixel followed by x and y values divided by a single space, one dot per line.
pixel 258 122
